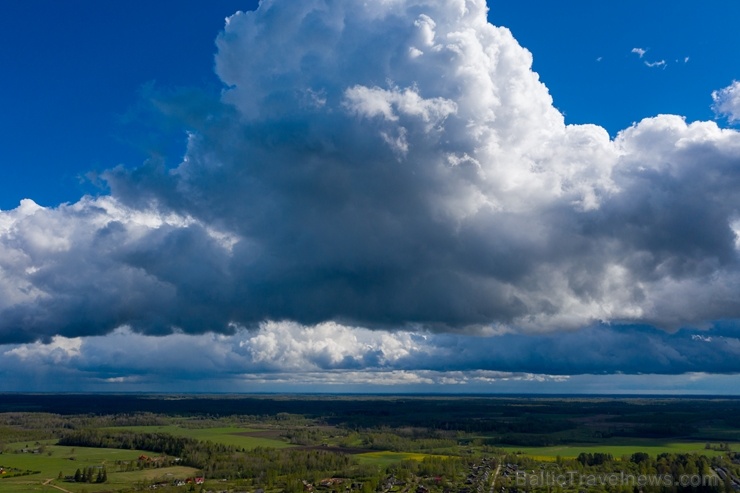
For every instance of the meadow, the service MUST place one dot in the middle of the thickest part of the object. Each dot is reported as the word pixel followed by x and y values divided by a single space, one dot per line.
pixel 386 458
pixel 55 459
pixel 243 438
pixel 618 449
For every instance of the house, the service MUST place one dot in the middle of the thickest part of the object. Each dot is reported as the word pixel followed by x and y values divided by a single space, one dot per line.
pixel 328 482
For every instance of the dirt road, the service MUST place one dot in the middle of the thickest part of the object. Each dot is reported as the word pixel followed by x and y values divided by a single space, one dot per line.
pixel 48 483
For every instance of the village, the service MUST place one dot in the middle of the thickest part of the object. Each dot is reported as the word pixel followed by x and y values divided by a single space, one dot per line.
pixel 480 478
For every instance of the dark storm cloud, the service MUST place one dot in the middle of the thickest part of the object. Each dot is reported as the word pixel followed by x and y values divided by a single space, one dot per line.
pixel 596 350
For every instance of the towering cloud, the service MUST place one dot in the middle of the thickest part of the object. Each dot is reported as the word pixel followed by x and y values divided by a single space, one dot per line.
pixel 389 164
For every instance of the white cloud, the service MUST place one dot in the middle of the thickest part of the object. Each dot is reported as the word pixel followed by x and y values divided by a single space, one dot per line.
pixel 640 52
pixel 331 355
pixel 59 349
pixel 80 269
pixel 660 63
pixel 278 353
pixel 727 102
pixel 328 345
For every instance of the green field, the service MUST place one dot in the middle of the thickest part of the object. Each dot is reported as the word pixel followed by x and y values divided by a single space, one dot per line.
pixel 618 450
pixel 231 435
pixel 56 459
pixel 386 458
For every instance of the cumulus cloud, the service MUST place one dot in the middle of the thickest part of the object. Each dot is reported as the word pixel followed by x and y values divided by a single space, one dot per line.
pixel 727 102
pixel 89 267
pixel 288 355
pixel 388 165
pixel 639 51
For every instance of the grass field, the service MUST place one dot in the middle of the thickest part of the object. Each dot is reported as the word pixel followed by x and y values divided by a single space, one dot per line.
pixel 385 458
pixel 55 459
pixel 652 447
pixel 122 479
pixel 67 460
pixel 238 437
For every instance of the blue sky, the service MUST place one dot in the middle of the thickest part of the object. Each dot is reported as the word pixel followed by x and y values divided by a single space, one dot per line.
pixel 382 198
pixel 75 75
pixel 583 51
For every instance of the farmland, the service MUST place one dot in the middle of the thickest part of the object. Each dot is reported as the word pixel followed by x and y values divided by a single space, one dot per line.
pixel 247 438
pixel 368 444
pixel 649 446
pixel 386 458
pixel 54 459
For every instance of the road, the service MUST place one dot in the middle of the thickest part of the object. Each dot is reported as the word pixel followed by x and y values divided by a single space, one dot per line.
pixel 48 483
pixel 493 481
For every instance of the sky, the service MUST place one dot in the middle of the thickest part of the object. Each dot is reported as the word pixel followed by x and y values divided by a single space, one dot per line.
pixel 392 196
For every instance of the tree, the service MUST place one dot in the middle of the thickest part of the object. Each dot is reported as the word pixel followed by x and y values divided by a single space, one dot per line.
pixel 78 475
pixel 639 457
